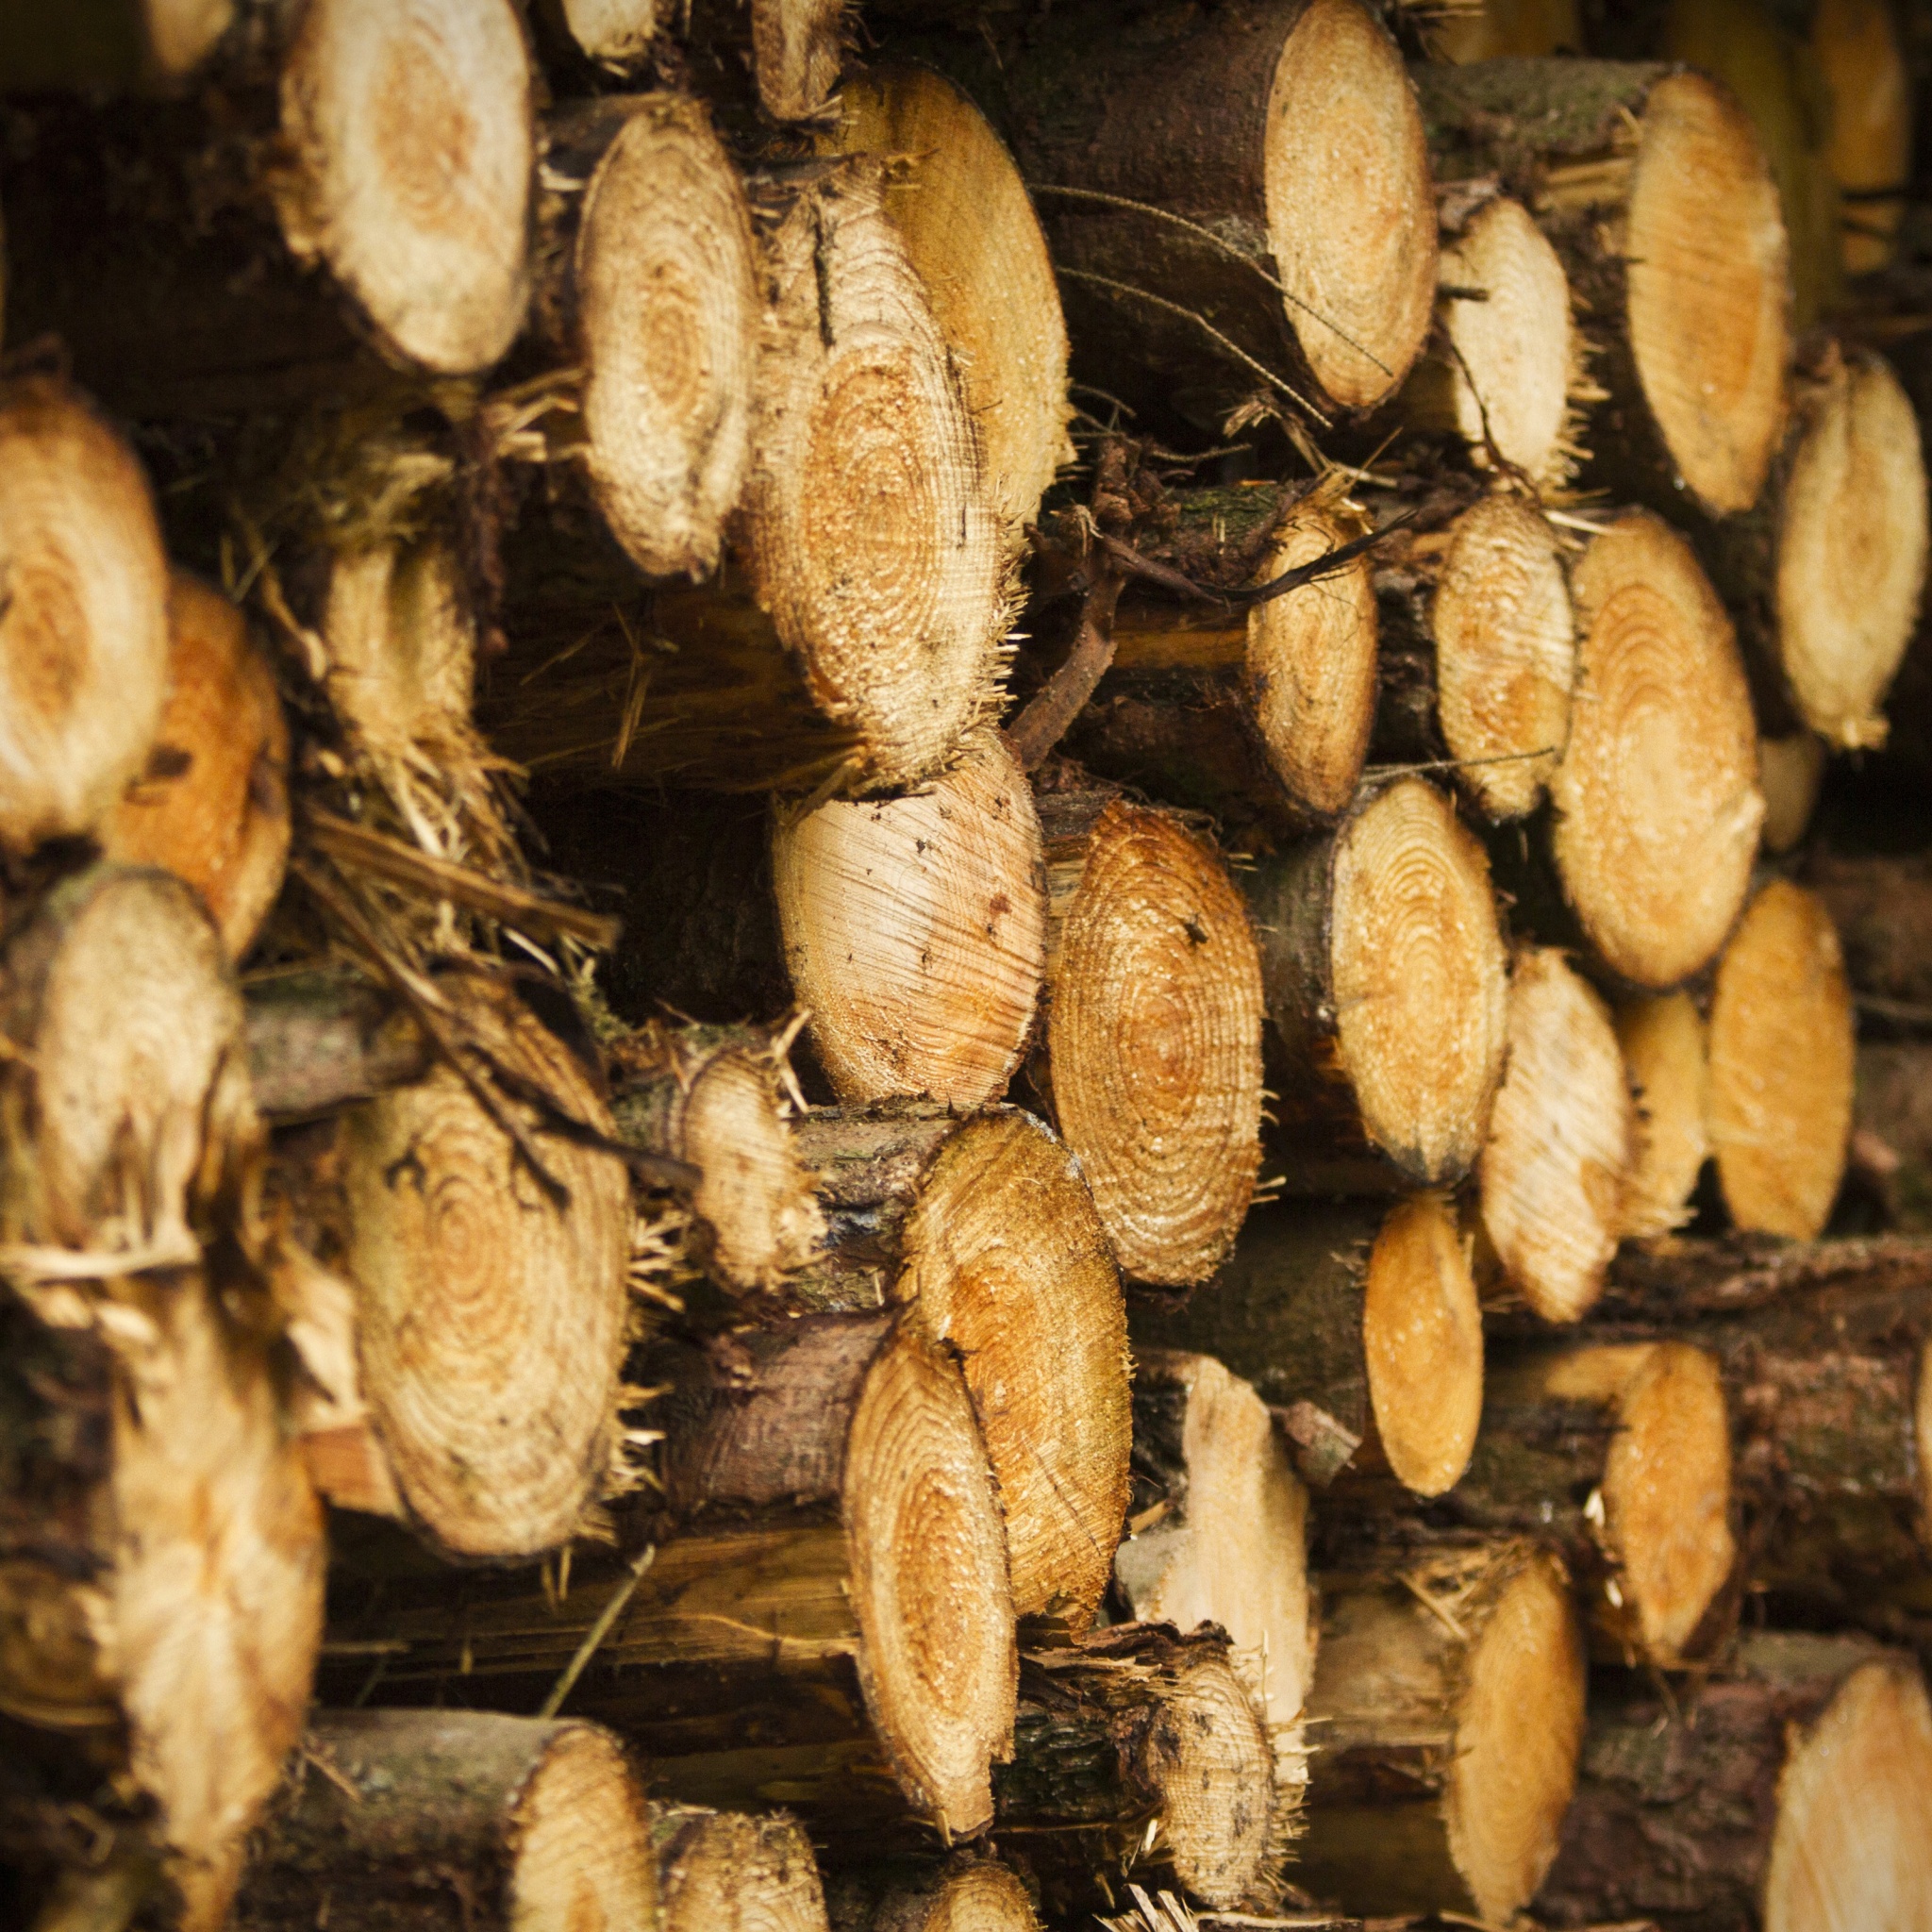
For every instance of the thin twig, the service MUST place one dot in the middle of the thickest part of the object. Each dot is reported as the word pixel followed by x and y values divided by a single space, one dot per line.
pixel 598 1632
pixel 1042 726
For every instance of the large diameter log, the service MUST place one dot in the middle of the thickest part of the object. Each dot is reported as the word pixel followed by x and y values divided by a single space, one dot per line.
pixel 748 1871
pixel 1479 655
pixel 956 199
pixel 1219 1534
pixel 488 1300
pixel 420 1821
pixel 915 931
pixel 1782 1050
pixel 987 1231
pixel 1788 1790
pixel 161 1566
pixel 1653 187
pixel 647 289
pixel 84 629
pixel 1152 1043
pixel 1359 1326
pixel 1134 1727
pixel 1620 1454
pixel 1556 1169
pixel 211 805
pixel 1450 1695
pixel 969 1891
pixel 1656 797
pixel 1386 978
pixel 1666 1061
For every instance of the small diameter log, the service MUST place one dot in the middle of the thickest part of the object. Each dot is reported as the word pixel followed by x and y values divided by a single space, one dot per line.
pixel 124 1109
pixel 613 33
pixel 1500 373
pixel 84 627
pixel 109 44
pixel 1790 773
pixel 162 1567
pixel 487 1299
pixel 987 1230
pixel 1665 1060
pixel 1139 1747
pixel 734 1872
pixel 212 804
pixel 1264 715
pixel 1218 1535
pixel 647 291
pixel 1651 185
pixel 1187 184
pixel 1824 577
pixel 1357 1325
pixel 968 1893
pixel 1386 978
pixel 1656 799
pixel 889 598
pixel 915 931
pixel 318 1042
pixel 445 1821
pixel 716 1099
pixel 957 201
pixel 1449 1695
pixel 826 1622
pixel 1620 1456
pixel 1858 48
pixel 1783 1042
pixel 1787 1788
pixel 1153 1037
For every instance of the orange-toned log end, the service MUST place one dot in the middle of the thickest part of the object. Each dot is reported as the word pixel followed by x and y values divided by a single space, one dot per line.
pixel 411 147
pixel 83 623
pixel 1853 1842
pixel 1355 245
pixel 1154 1037
pixel 1782 1050
pixel 1851 551
pixel 1707 295
pixel 1555 1171
pixel 1657 799
pixel 1422 1344
pixel 914 931
pixel 1310 665
pixel 1007 1264
pixel 212 805
pixel 1505 655
pixel 1665 1058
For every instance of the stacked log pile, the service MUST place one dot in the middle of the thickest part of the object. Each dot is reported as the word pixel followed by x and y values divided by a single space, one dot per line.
pixel 955 970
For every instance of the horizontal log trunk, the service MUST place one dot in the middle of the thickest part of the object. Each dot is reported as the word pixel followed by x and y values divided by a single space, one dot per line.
pixel 1450 1696
pixel 1358 1324
pixel 1789 1784
pixel 1644 176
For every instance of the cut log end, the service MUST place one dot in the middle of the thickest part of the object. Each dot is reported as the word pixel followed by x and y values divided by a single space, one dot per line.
pixel 1419 977
pixel 492 1311
pixel 929 1584
pixel 914 931
pixel 1422 1344
pixel 874 544
pixel 967 1893
pixel 1513 354
pixel 798 48
pixel 581 1857
pixel 1505 655
pixel 1310 666
pixel 1853 1843
pixel 1557 1161
pixel 1656 798
pixel 1355 248
pixel 957 201
pixel 1154 1037
pixel 83 630
pixel 1664 1056
pixel 1790 774
pixel 212 804
pixel 726 1869
pixel 1007 1263
pixel 1208 1755
pixel 616 33
pixel 667 322
pixel 1862 63
pixel 1707 293
pixel 1782 1051
pixel 1518 1733
pixel 1851 552
pixel 412 149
